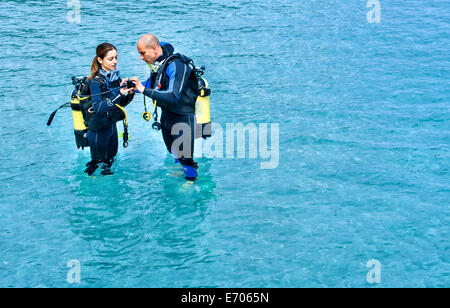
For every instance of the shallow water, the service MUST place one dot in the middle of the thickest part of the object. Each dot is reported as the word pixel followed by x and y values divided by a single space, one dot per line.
pixel 364 140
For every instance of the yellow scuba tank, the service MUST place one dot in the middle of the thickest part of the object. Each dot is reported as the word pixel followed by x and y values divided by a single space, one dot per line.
pixel 76 103
pixel 202 109
pixel 78 120
pixel 79 125
pixel 80 128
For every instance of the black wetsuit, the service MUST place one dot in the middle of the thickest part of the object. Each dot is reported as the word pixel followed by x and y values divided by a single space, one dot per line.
pixel 102 134
pixel 177 102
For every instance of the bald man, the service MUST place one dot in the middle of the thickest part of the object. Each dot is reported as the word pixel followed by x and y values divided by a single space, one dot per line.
pixel 175 90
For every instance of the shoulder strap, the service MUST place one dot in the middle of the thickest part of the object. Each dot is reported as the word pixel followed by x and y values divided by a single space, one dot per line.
pixel 163 69
pixel 85 89
pixel 102 80
pixel 165 65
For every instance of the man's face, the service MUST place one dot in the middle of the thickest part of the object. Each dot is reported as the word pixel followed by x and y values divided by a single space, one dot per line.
pixel 148 54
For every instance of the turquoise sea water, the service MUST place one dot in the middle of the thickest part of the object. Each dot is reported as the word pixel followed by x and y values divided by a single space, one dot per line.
pixel 364 115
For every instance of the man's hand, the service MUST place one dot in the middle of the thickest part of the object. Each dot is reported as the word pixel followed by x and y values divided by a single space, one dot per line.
pixel 138 84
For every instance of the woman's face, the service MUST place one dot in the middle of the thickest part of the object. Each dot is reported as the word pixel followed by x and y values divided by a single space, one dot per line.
pixel 109 62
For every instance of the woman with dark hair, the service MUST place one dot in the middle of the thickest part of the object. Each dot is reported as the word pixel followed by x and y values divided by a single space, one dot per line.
pixel 105 86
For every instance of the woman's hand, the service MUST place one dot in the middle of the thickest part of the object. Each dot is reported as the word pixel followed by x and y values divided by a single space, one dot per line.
pixel 138 84
pixel 124 91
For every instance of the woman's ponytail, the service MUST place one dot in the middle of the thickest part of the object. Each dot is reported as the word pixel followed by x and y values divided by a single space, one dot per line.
pixel 94 68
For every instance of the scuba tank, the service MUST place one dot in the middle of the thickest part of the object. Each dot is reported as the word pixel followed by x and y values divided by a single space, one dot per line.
pixel 78 113
pixel 202 106
pixel 77 105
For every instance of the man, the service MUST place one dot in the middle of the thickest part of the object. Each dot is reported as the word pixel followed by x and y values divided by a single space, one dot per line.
pixel 173 89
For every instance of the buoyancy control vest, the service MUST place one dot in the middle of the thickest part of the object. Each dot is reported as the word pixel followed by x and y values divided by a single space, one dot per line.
pixel 186 105
pixel 195 93
pixel 84 116
pixel 94 121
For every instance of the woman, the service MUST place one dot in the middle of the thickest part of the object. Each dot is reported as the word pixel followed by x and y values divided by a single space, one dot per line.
pixel 106 92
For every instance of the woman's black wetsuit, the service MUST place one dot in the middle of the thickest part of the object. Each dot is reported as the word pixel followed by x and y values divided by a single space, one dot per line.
pixel 102 134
